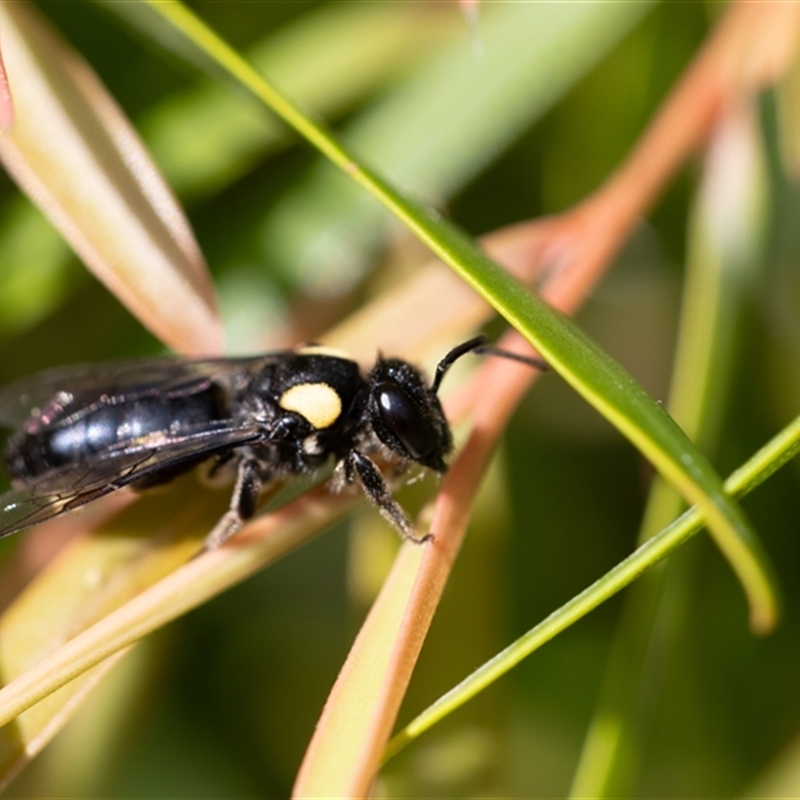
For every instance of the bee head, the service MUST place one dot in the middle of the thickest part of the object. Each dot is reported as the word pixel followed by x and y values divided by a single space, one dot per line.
pixel 406 414
pixel 405 411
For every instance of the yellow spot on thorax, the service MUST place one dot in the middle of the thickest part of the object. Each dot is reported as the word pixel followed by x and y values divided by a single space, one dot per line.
pixel 317 402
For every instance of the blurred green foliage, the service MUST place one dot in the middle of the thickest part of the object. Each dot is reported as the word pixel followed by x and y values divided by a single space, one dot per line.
pixel 222 703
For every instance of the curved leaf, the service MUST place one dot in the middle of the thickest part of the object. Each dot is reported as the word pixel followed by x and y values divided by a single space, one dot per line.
pixel 725 249
pixel 584 365
pixel 77 157
pixel 777 452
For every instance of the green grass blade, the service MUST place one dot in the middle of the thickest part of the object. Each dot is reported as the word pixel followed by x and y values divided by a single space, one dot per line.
pixel 725 247
pixel 585 366
pixel 770 458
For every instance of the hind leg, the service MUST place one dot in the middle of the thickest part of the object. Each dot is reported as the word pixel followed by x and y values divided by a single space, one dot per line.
pixel 244 500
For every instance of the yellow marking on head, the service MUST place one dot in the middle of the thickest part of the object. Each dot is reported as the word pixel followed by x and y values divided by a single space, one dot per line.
pixel 317 402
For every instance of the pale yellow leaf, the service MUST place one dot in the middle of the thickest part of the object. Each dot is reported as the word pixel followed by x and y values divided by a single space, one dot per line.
pixel 72 150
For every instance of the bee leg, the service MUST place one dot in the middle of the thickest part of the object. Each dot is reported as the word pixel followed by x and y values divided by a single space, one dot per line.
pixel 249 482
pixel 374 486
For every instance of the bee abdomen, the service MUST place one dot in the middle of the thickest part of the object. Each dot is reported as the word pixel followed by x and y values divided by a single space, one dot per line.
pixel 61 435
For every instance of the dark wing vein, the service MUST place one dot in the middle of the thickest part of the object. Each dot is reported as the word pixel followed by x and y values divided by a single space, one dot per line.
pixel 63 489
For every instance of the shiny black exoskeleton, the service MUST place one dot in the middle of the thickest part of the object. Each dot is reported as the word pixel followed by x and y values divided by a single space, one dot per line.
pixel 82 432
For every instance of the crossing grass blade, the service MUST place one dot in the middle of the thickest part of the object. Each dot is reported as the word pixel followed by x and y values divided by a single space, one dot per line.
pixel 579 361
pixel 771 457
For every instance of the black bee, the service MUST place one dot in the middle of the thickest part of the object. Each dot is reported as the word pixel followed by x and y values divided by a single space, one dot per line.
pixel 84 431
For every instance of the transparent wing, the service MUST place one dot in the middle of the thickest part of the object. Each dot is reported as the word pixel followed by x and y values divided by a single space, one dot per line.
pixel 61 490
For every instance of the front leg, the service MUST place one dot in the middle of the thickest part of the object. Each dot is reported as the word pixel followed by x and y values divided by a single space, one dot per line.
pixel 375 488
pixel 244 501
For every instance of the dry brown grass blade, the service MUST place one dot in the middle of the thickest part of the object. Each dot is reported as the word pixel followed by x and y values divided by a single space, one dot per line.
pixel 348 742
pixel 139 562
pixel 86 581
pixel 75 154
pixel 752 47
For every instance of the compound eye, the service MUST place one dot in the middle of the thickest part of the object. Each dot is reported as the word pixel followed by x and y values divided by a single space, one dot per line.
pixel 404 419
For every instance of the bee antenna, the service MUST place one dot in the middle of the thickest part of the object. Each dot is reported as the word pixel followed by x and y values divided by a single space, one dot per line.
pixel 479 346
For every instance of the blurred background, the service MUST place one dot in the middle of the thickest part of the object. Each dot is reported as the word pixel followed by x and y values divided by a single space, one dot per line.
pixel 519 114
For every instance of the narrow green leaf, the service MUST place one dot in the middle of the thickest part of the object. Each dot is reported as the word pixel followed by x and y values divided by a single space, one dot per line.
pixel 585 366
pixel 726 237
pixel 777 452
